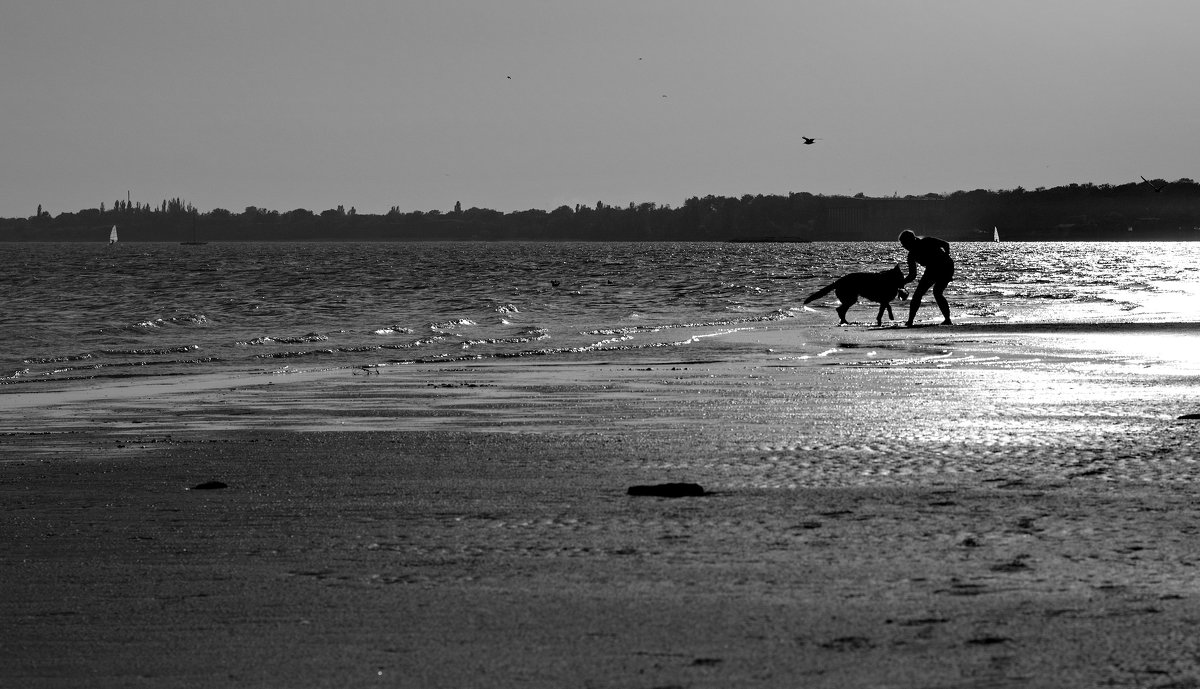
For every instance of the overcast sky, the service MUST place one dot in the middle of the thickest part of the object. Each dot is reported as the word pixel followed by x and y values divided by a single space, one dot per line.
pixel 517 104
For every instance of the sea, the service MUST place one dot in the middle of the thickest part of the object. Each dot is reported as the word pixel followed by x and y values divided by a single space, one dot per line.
pixel 84 311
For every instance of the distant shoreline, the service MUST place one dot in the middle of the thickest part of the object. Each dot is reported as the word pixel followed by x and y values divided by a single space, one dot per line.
pixel 378 240
pixel 1166 211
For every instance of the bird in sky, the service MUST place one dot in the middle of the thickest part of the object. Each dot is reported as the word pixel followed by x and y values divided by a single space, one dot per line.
pixel 1155 187
pixel 809 141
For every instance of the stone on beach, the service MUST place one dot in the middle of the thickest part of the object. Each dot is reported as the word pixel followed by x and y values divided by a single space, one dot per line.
pixel 209 485
pixel 668 490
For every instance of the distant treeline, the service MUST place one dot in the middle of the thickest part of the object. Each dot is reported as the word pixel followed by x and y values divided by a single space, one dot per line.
pixel 1135 211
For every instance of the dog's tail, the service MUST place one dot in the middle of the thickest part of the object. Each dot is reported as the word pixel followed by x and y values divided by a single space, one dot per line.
pixel 819 293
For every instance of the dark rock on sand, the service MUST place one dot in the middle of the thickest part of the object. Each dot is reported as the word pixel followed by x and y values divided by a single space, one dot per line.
pixel 1017 564
pixel 988 640
pixel 209 485
pixel 668 490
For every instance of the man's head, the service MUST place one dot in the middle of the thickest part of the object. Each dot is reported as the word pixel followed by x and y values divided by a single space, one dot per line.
pixel 907 237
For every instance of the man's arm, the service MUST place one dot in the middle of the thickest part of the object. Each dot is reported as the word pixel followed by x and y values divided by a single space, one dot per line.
pixel 912 268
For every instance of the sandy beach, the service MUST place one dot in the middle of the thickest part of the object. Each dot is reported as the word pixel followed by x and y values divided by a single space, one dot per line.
pixel 976 506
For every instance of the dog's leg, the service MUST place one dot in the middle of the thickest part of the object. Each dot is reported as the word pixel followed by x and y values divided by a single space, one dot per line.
pixel 847 298
pixel 879 316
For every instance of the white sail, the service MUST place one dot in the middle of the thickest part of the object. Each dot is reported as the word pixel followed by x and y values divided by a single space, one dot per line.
pixel 995 234
pixel 112 235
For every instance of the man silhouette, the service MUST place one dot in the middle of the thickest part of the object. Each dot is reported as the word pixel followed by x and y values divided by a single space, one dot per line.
pixel 934 254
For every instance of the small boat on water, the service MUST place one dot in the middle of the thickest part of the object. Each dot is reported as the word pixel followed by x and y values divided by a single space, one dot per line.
pixel 195 241
pixel 995 234
pixel 112 236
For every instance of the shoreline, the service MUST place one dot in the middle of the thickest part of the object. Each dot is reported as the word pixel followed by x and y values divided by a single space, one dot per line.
pixel 935 507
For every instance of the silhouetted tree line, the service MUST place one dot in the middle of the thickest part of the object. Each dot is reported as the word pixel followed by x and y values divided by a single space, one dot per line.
pixel 1075 212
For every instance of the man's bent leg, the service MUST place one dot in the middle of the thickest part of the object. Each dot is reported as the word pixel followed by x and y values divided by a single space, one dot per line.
pixel 915 299
pixel 940 298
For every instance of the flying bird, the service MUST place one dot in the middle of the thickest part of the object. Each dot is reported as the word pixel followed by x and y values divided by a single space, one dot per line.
pixel 809 141
pixel 1155 187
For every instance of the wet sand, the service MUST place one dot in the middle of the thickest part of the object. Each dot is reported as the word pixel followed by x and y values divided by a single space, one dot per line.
pixel 968 506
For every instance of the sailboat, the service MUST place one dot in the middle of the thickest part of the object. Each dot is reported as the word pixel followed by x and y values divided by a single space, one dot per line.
pixel 194 242
pixel 995 234
pixel 112 236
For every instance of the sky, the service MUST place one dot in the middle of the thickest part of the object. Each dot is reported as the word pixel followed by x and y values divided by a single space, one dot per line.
pixel 520 104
